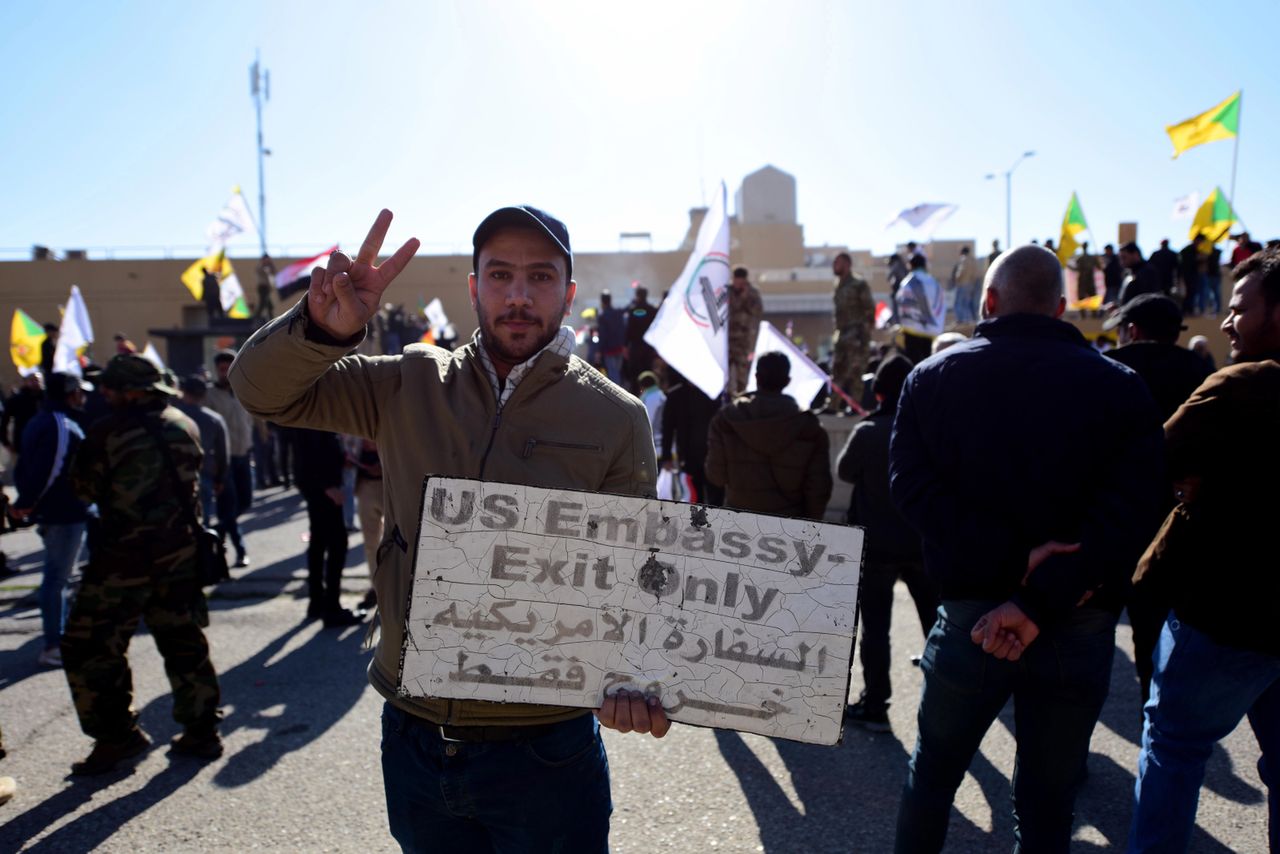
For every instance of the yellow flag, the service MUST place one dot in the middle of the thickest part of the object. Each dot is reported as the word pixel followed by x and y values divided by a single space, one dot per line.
pixel 1218 122
pixel 1213 220
pixel 1072 224
pixel 193 276
pixel 25 339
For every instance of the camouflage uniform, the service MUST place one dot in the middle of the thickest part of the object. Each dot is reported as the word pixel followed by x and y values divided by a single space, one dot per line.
pixel 746 310
pixel 143 566
pixel 1085 265
pixel 851 345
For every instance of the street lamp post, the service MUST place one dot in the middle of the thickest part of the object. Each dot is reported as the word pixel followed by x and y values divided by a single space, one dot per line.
pixel 260 89
pixel 1008 198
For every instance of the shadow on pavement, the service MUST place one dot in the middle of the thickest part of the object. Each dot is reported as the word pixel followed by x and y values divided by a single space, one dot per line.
pixel 19 664
pixel 289 701
pixel 848 794
pixel 88 831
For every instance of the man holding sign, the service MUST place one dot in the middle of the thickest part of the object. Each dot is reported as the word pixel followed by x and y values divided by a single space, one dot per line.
pixel 521 409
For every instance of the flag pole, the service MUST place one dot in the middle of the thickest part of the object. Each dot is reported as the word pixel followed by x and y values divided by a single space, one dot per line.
pixel 1235 151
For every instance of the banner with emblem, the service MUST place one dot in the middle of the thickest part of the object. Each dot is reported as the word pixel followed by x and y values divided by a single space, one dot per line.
pixel 691 331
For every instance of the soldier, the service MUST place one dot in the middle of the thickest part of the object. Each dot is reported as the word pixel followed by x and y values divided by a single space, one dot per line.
pixel 745 311
pixel 1085 265
pixel 211 295
pixel 266 288
pixel 854 314
pixel 144 566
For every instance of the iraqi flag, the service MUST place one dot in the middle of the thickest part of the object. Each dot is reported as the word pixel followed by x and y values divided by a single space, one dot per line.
pixel 287 278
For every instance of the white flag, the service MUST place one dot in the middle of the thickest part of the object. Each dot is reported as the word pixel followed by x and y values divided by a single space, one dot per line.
pixel 691 331
pixel 150 353
pixel 75 332
pixel 233 219
pixel 925 218
pixel 807 379
pixel 229 291
pixel 1186 206
pixel 434 312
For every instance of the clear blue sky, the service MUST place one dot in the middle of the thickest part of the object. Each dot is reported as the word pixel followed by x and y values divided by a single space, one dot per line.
pixel 126 124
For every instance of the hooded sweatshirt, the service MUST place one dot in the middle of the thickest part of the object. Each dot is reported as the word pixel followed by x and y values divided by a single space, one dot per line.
pixel 770 457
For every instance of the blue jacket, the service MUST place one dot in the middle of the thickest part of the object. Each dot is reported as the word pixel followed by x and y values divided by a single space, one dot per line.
pixel 49 443
pixel 1019 436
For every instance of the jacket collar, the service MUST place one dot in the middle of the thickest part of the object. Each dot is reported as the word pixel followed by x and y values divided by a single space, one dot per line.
pixel 547 364
pixel 1273 356
pixel 1029 326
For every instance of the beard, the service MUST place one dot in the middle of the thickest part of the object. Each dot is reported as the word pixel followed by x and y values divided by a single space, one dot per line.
pixel 531 341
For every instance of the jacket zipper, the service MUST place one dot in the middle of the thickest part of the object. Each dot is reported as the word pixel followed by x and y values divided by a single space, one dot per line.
pixel 493 434
pixel 575 446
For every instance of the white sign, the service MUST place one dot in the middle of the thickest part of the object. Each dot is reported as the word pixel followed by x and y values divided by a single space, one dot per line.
pixel 529 595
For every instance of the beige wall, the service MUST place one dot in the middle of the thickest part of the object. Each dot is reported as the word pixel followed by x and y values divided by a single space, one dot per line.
pixel 135 296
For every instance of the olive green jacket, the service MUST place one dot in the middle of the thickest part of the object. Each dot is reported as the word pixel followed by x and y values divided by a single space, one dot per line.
pixel 433 411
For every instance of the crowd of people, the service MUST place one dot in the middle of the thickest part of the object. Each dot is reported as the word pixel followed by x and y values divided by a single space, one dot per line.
pixel 1025 487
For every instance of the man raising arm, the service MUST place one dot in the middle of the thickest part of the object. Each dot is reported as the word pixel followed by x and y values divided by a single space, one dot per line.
pixel 513 405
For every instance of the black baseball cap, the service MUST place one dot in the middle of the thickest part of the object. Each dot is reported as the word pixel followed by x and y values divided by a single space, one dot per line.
pixel 194 384
pixel 1155 314
pixel 523 216
pixel 890 377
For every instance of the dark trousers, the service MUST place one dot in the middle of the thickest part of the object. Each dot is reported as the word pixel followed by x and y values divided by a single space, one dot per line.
pixel 1058 688
pixel 327 551
pixel 242 474
pixel 546 793
pixel 876 603
pixel 264 460
pixel 285 448
pixel 227 503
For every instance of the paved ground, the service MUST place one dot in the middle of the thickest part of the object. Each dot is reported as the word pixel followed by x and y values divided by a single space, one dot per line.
pixel 301 769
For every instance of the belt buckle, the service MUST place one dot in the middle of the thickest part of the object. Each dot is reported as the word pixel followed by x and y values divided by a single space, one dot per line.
pixel 444 737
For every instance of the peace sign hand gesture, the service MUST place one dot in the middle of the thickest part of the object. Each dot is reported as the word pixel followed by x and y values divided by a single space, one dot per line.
pixel 345 295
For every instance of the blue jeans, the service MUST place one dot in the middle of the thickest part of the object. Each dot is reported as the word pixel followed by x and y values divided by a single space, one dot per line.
pixel 349 497
pixel 1058 688
pixel 1211 293
pixel 967 302
pixel 545 794
pixel 613 368
pixel 62 544
pixel 1199 694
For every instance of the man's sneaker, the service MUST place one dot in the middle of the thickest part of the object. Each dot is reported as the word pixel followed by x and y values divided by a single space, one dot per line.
pixel 202 743
pixel 859 714
pixel 342 617
pixel 107 754
pixel 51 657
pixel 242 560
pixel 8 787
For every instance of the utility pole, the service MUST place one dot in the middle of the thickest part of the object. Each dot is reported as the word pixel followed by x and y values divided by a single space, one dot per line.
pixel 260 89
pixel 1008 199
